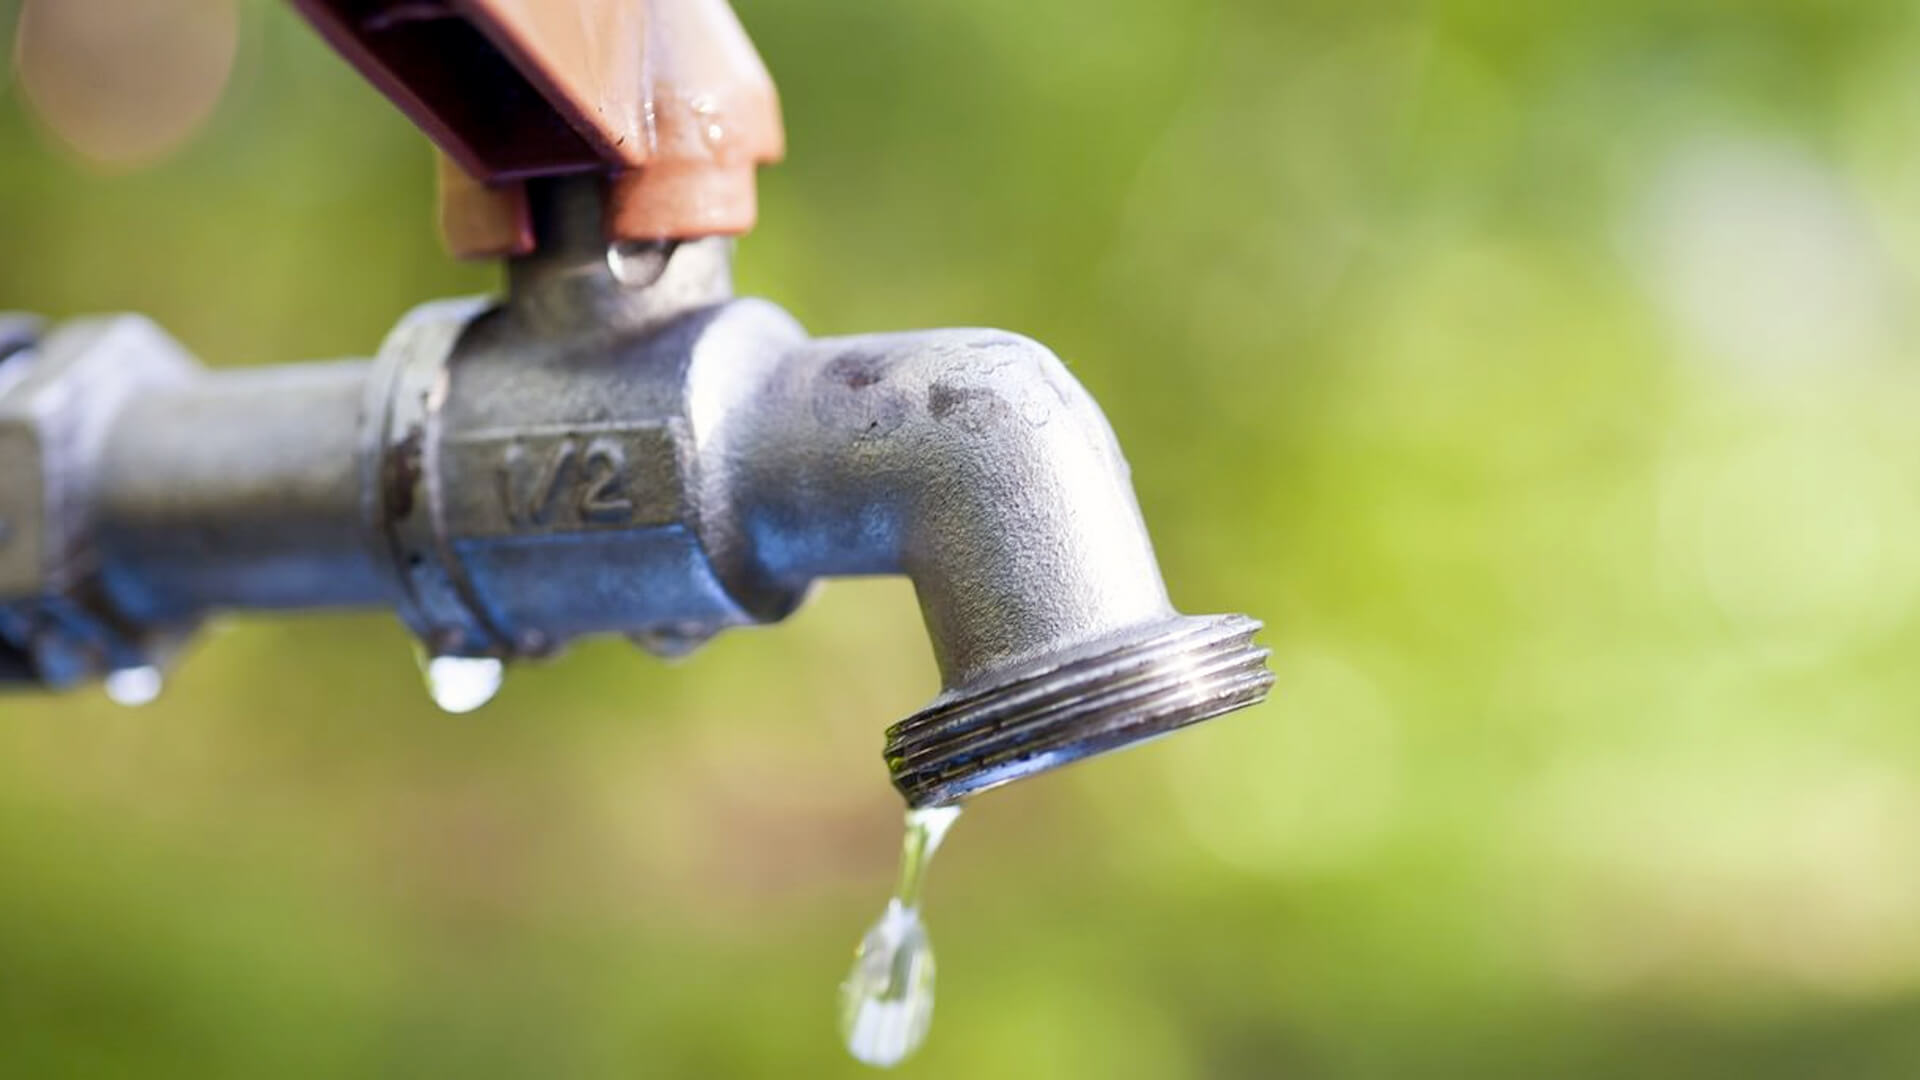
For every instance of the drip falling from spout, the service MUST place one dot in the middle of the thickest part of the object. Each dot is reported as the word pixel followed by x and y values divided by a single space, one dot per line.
pixel 886 1004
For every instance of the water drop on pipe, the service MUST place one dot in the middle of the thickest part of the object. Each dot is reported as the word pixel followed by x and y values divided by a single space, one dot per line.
pixel 134 686
pixel 461 684
pixel 886 1004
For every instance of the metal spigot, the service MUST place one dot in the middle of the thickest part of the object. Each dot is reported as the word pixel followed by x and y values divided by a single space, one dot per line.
pixel 973 463
pixel 617 445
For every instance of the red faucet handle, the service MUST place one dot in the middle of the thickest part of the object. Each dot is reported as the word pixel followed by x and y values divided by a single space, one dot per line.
pixel 667 98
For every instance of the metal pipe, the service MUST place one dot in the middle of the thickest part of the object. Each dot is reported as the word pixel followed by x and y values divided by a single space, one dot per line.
pixel 238 489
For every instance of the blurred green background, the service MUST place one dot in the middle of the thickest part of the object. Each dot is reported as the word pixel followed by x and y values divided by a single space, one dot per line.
pixel 1543 373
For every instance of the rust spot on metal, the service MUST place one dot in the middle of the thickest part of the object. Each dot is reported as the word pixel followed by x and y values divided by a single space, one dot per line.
pixel 400 474
pixel 851 396
pixel 974 409
pixel 944 400
pixel 857 370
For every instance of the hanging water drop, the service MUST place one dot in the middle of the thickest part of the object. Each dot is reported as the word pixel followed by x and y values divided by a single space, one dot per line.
pixel 133 686
pixel 461 684
pixel 886 1004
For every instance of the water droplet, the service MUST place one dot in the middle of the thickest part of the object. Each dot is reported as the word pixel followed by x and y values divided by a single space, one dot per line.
pixel 706 114
pixel 886 1004
pixel 674 642
pixel 461 684
pixel 134 686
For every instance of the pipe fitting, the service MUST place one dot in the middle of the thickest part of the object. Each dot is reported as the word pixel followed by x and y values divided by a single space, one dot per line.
pixel 972 462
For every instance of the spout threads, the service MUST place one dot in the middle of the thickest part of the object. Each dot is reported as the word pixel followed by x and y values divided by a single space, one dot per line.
pixel 1170 675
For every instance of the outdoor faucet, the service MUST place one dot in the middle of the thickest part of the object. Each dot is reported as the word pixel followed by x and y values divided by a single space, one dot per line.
pixel 617 444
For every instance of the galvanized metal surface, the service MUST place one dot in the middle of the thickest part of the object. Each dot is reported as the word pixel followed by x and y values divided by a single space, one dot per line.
pixel 1076 704
pixel 59 399
pixel 618 447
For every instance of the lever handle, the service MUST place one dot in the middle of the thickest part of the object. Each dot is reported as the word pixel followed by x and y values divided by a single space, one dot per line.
pixel 667 98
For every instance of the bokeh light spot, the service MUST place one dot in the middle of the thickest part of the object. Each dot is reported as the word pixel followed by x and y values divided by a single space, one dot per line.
pixel 1763 258
pixel 1797 539
pixel 125 82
